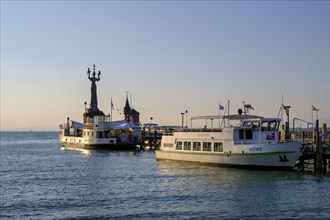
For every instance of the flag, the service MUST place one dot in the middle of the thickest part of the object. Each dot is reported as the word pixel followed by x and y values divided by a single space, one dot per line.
pixel 248 106
pixel 112 105
pixel 314 108
pixel 221 107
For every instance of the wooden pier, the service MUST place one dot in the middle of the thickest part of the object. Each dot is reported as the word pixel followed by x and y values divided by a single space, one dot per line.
pixel 315 155
pixel 151 138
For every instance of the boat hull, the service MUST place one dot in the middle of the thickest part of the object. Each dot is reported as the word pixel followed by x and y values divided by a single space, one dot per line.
pixel 117 146
pixel 92 143
pixel 270 161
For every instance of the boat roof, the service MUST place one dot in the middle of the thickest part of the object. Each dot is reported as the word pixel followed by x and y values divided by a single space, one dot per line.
pixel 207 117
pixel 229 117
pixel 241 117
pixel 271 119
pixel 78 125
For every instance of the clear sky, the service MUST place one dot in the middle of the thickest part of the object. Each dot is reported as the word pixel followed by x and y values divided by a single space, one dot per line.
pixel 171 56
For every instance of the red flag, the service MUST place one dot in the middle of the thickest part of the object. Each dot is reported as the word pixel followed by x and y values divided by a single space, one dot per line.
pixel 314 108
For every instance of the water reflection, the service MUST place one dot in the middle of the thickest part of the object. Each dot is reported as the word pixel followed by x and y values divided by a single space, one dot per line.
pixel 227 190
pixel 85 152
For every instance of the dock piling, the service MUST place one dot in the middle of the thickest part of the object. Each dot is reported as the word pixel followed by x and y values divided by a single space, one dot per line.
pixel 318 159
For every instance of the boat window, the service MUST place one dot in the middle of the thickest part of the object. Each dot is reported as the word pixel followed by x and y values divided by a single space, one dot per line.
pixel 178 145
pixel 196 146
pixel 187 145
pixel 241 134
pixel 269 126
pixel 92 133
pixel 273 126
pixel 218 147
pixel 247 124
pixel 264 125
pixel 207 146
pixel 248 134
pixel 245 134
pixel 255 126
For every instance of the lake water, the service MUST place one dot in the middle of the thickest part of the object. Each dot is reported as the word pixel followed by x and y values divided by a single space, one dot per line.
pixel 40 180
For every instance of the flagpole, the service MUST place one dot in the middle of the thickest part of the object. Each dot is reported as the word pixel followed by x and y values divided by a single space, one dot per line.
pixel 222 119
pixel 312 117
pixel 282 109
pixel 111 113
pixel 228 114
pixel 219 116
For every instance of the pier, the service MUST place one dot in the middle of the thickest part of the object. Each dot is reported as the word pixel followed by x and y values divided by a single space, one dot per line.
pixel 315 155
pixel 151 136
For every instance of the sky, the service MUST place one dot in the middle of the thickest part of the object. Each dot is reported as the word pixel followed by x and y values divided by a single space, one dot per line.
pixel 171 56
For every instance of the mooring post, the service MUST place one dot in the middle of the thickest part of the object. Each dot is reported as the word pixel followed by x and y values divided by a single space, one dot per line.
pixel 155 139
pixel 324 132
pixel 318 158
pixel 326 147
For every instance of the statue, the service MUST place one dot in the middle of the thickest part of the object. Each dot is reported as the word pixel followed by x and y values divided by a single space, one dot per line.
pixel 93 105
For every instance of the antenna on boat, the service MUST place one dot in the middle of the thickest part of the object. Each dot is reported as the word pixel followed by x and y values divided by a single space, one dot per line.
pixel 228 112
pixel 281 109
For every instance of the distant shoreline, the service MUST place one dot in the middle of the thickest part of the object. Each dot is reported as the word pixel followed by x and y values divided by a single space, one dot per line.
pixel 26 131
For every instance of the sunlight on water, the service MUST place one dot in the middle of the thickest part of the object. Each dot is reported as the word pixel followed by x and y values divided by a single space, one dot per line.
pixel 85 152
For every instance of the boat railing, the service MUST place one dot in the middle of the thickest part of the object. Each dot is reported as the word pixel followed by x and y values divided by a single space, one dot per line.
pixel 201 130
pixel 243 142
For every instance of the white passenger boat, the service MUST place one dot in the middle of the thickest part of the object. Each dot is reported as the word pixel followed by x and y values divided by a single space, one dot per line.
pixel 98 131
pixel 254 143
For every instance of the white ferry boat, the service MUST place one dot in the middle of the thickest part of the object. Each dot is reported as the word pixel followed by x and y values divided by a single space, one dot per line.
pixel 98 131
pixel 254 143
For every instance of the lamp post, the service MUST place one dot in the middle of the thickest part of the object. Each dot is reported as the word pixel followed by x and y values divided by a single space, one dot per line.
pixel 85 114
pixel 186 118
pixel 182 114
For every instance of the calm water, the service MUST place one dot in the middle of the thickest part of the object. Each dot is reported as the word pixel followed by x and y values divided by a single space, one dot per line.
pixel 39 180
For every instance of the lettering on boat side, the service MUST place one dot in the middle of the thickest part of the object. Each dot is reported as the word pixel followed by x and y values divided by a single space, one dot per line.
pixel 203 135
pixel 255 149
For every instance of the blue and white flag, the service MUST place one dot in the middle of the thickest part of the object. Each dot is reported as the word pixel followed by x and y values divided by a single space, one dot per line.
pixel 221 107
pixel 248 106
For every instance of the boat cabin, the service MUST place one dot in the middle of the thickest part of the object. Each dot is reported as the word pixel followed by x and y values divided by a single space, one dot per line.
pixel 257 130
pixel 101 127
